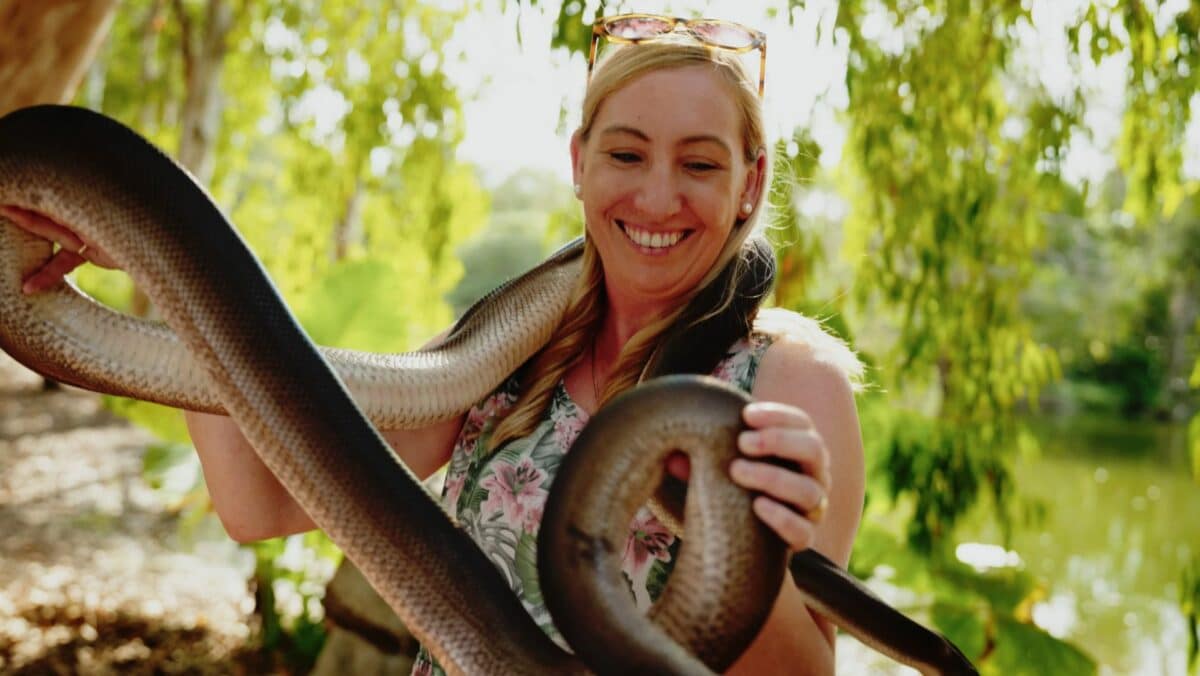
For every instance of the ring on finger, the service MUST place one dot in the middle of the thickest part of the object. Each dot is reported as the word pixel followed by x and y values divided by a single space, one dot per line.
pixel 82 250
pixel 818 512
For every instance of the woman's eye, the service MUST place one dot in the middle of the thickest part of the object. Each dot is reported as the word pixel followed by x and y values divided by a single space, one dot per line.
pixel 623 157
pixel 701 166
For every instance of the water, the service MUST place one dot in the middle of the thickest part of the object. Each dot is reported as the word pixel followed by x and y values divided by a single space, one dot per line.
pixel 1122 523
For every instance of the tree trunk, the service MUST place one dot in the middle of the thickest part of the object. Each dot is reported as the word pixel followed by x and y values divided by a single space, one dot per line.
pixel 46 47
pixel 204 47
pixel 365 635
pixel 203 44
pixel 348 230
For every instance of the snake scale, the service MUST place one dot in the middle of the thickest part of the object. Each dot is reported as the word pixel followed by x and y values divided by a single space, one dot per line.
pixel 229 344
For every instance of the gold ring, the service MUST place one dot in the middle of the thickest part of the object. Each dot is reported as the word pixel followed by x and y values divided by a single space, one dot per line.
pixel 817 513
pixel 81 251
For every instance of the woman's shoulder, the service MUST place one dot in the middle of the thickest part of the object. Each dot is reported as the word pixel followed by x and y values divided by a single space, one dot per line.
pixel 800 346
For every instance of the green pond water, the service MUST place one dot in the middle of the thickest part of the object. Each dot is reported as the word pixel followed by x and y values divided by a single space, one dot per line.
pixel 1122 523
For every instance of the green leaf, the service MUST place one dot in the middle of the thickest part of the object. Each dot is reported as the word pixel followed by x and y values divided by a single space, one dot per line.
pixel 1004 589
pixel 1189 603
pixel 1024 649
pixel 1194 446
pixel 875 548
pixel 170 466
pixel 359 305
pixel 165 423
pixel 962 625
pixel 526 566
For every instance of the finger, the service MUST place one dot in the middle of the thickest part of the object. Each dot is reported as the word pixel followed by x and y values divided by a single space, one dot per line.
pixel 774 414
pixel 798 490
pixel 43 227
pixel 794 529
pixel 803 447
pixel 51 274
pixel 99 257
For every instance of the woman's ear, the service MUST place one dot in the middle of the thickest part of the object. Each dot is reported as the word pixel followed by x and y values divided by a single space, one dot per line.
pixel 577 160
pixel 755 177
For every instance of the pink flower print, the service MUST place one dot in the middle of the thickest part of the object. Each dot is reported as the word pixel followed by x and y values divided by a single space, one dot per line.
pixel 567 429
pixel 477 417
pixel 498 403
pixel 454 486
pixel 724 371
pixel 649 541
pixel 516 492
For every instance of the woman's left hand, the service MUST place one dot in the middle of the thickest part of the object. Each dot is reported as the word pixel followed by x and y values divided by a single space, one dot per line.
pixel 792 500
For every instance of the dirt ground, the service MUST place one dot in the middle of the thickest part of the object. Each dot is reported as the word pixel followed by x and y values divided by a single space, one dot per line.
pixel 95 577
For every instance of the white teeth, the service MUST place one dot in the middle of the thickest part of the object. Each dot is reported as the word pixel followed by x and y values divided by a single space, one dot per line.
pixel 657 240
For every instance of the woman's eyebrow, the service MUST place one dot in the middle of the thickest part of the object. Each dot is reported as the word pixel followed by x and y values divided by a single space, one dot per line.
pixel 706 138
pixel 641 135
pixel 625 129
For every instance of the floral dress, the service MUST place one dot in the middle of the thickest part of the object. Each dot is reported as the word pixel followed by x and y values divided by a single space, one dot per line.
pixel 498 498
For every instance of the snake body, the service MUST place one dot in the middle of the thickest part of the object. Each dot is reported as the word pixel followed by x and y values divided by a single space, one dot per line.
pixel 230 345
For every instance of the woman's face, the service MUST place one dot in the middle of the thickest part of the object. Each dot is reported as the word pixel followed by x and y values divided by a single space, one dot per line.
pixel 663 176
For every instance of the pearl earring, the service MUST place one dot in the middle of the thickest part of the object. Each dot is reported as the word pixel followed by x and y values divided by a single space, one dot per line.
pixel 747 207
pixel 578 190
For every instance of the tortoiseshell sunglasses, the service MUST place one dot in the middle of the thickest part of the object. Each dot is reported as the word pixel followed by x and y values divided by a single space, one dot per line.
pixel 638 28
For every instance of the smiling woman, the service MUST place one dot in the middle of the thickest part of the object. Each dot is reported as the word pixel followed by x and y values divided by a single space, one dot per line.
pixel 657 166
pixel 670 165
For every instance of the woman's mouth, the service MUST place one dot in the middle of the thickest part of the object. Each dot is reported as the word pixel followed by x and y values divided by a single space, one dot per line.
pixel 653 241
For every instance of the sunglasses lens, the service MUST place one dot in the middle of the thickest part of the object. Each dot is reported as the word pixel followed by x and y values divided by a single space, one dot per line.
pixel 638 28
pixel 722 34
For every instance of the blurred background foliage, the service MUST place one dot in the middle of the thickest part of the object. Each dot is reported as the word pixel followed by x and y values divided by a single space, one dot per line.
pixel 1033 338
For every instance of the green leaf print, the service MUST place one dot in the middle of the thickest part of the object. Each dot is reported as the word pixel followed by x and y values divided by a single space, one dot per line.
pixel 474 497
pixel 656 579
pixel 526 568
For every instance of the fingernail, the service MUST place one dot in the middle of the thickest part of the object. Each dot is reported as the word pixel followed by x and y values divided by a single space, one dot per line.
pixel 739 469
pixel 749 441
pixel 766 507
pixel 28 288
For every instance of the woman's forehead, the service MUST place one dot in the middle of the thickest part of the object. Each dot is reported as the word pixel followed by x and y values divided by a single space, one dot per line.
pixel 673 103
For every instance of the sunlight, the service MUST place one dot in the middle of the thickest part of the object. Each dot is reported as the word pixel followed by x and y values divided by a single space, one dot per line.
pixel 513 120
pixel 983 557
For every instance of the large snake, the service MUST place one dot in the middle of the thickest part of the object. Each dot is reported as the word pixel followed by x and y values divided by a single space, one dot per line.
pixel 230 345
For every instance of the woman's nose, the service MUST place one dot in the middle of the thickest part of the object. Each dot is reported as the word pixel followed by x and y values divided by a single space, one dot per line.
pixel 659 196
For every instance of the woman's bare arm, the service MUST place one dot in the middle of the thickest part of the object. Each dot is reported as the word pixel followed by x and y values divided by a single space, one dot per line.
pixel 796 640
pixel 250 501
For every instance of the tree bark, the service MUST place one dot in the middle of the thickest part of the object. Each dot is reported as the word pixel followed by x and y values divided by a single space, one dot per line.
pixel 348 230
pixel 204 47
pixel 365 635
pixel 46 47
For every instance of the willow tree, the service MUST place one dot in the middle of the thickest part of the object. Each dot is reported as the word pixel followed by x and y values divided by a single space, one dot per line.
pixel 954 158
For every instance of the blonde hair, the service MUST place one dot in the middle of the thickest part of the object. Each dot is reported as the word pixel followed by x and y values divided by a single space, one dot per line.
pixel 585 311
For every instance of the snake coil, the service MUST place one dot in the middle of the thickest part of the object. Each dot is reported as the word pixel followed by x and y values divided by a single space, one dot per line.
pixel 229 344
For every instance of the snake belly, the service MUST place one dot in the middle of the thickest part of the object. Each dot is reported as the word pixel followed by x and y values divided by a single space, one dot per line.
pixel 230 345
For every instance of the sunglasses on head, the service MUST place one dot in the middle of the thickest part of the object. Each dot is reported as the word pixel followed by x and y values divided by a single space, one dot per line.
pixel 716 33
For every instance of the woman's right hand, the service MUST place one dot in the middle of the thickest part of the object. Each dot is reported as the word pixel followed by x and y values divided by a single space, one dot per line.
pixel 74 251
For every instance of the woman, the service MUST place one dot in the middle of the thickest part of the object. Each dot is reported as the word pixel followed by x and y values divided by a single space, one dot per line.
pixel 670 165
